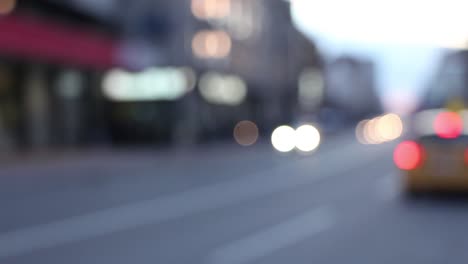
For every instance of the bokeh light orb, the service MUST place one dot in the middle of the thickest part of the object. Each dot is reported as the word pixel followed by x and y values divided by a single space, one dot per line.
pixel 307 138
pixel 389 127
pixel 408 155
pixel 380 129
pixel 361 126
pixel 370 132
pixel 246 133
pixel 448 125
pixel 282 139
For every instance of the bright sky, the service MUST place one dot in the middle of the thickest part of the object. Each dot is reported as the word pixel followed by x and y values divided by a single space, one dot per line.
pixel 420 22
pixel 402 36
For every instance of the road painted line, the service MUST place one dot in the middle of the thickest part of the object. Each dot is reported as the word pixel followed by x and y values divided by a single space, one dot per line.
pixel 268 241
pixel 111 220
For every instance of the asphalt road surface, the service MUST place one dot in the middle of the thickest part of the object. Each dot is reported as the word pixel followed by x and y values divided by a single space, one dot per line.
pixel 224 205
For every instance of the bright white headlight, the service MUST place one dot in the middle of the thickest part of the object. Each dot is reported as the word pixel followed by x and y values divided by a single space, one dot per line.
pixel 282 139
pixel 307 138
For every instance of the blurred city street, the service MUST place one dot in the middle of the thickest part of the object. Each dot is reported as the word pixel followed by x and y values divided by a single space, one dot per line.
pixel 224 204
pixel 233 131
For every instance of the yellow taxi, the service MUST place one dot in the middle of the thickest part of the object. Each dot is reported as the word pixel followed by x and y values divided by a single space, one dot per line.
pixel 437 158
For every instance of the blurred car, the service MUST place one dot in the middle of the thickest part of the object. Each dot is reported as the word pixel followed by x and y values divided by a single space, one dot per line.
pixel 436 159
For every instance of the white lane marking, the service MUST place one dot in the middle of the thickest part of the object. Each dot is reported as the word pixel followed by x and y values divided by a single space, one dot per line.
pixel 107 221
pixel 388 187
pixel 274 238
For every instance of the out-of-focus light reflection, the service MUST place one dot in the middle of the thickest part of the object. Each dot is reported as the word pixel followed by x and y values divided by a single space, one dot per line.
pixel 307 138
pixel 370 132
pixel 283 139
pixel 70 85
pixel 152 84
pixel 246 133
pixel 211 9
pixel 361 126
pixel 222 89
pixel 211 44
pixel 380 129
pixel 389 127
pixel 7 6
pixel 408 155
pixel 448 125
pixel 311 88
pixel 190 76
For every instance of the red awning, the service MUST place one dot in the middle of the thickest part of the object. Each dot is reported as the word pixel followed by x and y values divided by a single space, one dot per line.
pixel 33 38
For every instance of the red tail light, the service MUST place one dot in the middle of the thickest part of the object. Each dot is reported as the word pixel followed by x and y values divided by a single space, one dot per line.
pixel 408 155
pixel 448 125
